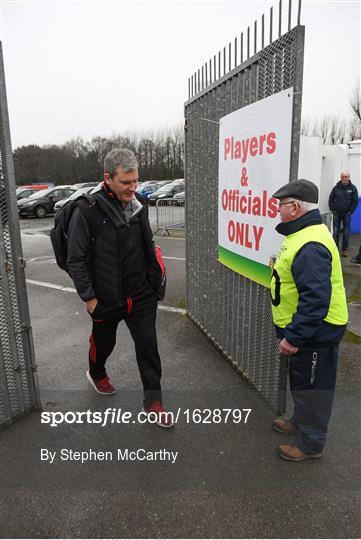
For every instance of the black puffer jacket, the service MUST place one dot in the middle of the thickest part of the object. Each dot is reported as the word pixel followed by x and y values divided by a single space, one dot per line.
pixel 95 256
pixel 343 198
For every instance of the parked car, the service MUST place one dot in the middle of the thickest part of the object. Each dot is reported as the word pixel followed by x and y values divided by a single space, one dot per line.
pixel 165 192
pixel 179 198
pixel 85 184
pixel 161 183
pixel 178 181
pixel 147 190
pixel 42 203
pixel 75 195
pixel 23 193
pixel 147 183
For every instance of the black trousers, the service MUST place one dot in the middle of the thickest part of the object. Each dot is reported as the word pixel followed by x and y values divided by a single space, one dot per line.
pixel 139 313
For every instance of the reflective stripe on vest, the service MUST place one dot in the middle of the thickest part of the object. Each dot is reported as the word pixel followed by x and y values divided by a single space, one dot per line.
pixel 284 292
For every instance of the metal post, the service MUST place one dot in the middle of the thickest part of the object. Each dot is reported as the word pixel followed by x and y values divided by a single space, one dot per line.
pixel 255 37
pixel 248 39
pixel 280 19
pixel 299 13
pixel 289 14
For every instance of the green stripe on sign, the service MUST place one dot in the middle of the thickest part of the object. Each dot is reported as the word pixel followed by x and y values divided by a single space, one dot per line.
pixel 260 273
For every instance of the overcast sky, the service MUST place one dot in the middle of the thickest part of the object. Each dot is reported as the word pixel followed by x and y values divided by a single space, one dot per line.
pixel 77 68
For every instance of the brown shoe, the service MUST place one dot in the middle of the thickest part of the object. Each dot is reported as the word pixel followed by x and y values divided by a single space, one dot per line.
pixel 292 453
pixel 344 253
pixel 284 426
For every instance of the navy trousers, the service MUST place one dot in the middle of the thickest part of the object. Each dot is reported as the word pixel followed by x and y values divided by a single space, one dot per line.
pixel 345 221
pixel 312 374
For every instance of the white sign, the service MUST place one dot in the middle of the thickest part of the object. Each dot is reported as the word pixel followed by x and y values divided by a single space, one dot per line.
pixel 254 161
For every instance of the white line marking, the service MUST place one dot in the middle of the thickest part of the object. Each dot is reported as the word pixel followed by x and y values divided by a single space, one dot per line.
pixel 50 285
pixel 72 290
pixel 172 309
pixel 168 238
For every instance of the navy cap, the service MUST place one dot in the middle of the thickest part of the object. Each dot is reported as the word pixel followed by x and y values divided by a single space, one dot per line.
pixel 303 190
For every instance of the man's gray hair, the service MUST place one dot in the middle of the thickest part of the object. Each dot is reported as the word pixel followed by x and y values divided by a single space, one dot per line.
pixel 306 206
pixel 122 157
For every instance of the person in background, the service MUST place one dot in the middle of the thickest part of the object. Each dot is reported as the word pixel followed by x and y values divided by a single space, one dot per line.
pixel 343 202
pixel 310 315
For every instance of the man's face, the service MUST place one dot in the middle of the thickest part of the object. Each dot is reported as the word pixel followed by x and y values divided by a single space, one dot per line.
pixel 345 178
pixel 123 184
pixel 288 209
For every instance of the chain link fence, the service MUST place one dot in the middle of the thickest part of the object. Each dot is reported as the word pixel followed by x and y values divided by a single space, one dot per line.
pixel 18 388
pixel 234 312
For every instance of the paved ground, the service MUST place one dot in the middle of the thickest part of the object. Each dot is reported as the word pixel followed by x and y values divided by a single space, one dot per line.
pixel 226 481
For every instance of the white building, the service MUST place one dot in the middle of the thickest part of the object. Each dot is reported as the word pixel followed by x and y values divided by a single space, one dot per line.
pixel 322 164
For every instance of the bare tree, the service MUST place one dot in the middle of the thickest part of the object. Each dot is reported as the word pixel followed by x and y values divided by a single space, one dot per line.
pixel 306 126
pixel 355 101
pixel 322 128
pixel 160 156
pixel 354 129
pixel 332 129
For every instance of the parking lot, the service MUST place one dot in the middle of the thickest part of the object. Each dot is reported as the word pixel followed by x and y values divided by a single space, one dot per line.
pixel 226 481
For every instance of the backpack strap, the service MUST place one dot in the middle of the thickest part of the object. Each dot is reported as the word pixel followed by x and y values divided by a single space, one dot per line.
pixel 92 213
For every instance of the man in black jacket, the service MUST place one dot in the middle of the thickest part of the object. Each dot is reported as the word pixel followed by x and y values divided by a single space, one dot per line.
pixel 343 202
pixel 112 261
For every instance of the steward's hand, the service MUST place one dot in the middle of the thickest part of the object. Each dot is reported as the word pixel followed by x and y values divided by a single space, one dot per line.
pixel 286 348
pixel 91 305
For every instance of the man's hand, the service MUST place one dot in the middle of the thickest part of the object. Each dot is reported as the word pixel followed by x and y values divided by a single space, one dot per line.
pixel 286 348
pixel 91 305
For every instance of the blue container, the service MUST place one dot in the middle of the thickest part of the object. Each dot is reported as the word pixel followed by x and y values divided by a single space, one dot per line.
pixel 356 219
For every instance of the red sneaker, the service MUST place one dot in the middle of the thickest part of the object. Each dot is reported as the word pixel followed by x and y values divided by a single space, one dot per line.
pixel 102 386
pixel 158 415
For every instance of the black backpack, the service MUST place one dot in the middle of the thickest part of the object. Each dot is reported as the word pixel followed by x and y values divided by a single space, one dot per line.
pixel 58 234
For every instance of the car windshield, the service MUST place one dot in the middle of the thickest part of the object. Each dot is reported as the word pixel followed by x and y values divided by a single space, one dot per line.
pixel 164 189
pixel 79 192
pixel 41 193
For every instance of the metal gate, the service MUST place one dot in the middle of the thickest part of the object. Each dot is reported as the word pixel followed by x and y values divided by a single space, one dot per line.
pixel 18 388
pixel 234 312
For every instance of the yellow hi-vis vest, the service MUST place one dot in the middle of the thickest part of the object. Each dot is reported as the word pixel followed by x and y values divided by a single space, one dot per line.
pixel 284 292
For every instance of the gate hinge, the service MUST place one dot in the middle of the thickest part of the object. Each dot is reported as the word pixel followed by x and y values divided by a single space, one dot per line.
pixel 22 262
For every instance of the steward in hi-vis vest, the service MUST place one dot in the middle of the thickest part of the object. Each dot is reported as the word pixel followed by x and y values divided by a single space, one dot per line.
pixel 309 311
pixel 285 301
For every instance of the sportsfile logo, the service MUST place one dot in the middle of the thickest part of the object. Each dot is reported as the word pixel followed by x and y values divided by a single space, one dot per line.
pixel 109 416
pixel 118 416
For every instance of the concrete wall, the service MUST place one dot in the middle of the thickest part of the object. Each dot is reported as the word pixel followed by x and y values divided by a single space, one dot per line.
pixel 354 164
